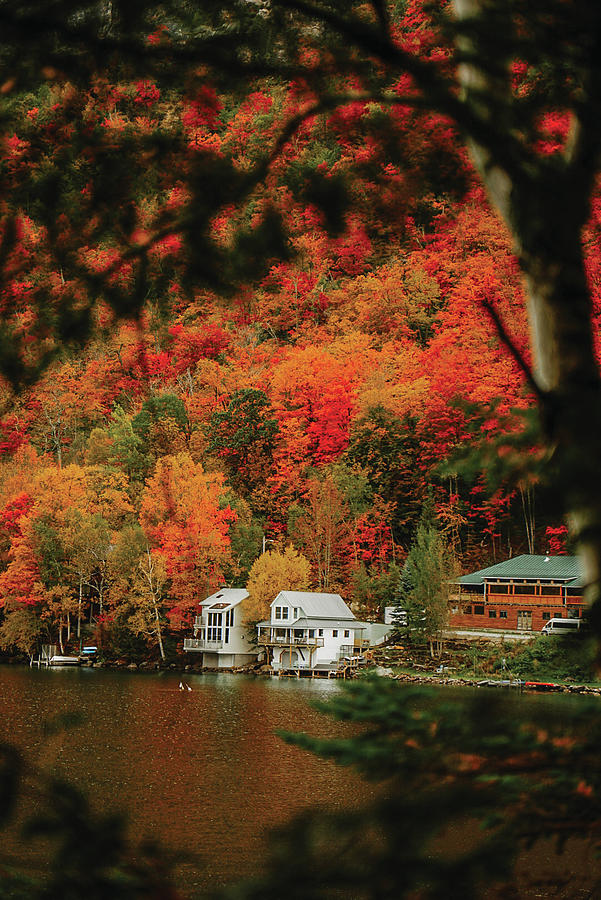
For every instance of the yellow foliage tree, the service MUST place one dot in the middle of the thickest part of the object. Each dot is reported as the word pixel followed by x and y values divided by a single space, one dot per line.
pixel 271 573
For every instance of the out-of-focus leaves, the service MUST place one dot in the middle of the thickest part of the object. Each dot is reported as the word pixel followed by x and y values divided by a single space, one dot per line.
pixel 11 767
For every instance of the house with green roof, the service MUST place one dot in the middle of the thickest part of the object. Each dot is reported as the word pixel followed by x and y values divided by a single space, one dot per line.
pixel 519 594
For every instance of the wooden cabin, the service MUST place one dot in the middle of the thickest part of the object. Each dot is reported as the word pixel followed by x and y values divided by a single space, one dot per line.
pixel 519 594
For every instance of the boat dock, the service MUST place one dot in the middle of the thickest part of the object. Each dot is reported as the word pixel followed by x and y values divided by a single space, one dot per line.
pixel 50 656
pixel 345 670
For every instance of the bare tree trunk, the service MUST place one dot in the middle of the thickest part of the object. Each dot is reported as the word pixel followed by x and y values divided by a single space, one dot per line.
pixel 159 632
pixel 526 495
pixel 155 596
pixel 79 605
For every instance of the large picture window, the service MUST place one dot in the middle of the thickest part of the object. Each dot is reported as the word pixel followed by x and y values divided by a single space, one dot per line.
pixel 214 626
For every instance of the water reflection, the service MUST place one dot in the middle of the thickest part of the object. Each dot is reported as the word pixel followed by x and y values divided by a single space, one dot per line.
pixel 203 769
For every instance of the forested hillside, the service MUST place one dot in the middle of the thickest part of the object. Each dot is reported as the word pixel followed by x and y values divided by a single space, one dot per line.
pixel 170 401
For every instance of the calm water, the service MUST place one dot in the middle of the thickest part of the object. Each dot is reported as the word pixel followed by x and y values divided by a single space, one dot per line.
pixel 201 770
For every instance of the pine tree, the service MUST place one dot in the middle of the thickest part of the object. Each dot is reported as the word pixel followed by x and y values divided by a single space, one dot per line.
pixel 424 585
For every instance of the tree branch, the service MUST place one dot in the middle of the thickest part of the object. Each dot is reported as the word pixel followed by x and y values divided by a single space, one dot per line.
pixel 505 339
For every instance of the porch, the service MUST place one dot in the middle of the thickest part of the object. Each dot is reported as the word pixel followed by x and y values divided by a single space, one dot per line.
pixel 269 636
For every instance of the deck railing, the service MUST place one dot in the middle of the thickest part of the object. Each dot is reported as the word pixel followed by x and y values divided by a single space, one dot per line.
pixel 193 644
pixel 200 644
pixel 267 639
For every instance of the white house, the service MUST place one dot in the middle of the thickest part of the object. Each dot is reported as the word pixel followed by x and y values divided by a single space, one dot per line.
pixel 219 632
pixel 309 630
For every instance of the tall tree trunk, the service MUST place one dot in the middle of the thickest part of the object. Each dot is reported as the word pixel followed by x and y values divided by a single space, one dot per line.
pixel 546 203
pixel 527 498
pixel 158 631
pixel 567 371
pixel 79 606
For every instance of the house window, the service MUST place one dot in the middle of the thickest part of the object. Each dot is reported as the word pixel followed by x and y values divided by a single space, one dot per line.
pixel 281 612
pixel 498 588
pixel 467 610
pixel 524 589
pixel 558 615
pixel 478 610
pixel 335 632
pixel 502 613
pixel 214 621
pixel 311 632
pixel 492 614
pixel 551 590
pixel 347 634
pixel 546 616
pixel 320 632
pixel 296 612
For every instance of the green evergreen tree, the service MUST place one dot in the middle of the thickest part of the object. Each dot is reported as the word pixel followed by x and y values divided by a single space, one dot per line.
pixel 243 436
pixel 156 408
pixel 424 586
pixel 387 449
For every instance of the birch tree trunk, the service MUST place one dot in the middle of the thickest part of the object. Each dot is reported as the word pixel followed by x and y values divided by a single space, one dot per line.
pixel 79 606
pixel 159 633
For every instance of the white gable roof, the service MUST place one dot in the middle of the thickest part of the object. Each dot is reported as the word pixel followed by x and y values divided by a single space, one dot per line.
pixel 316 606
pixel 228 596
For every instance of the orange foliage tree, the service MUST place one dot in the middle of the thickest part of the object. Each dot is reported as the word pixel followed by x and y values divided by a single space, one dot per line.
pixel 184 515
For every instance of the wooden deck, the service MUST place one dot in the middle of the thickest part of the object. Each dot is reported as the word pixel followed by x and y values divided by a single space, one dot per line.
pixel 316 672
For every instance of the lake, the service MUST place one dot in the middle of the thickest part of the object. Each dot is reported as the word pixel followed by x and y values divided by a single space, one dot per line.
pixel 202 770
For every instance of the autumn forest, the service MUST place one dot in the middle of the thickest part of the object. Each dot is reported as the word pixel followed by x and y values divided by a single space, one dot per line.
pixel 209 353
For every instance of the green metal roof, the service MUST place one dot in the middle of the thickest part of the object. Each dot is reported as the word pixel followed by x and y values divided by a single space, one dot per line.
pixel 530 568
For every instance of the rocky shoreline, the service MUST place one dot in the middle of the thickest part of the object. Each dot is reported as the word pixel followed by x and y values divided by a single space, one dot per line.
pixel 514 684
pixel 434 679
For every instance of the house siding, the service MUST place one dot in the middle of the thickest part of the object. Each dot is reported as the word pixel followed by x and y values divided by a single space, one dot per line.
pixel 518 604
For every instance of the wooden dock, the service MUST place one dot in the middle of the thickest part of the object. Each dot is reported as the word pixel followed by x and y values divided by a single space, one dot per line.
pixel 317 672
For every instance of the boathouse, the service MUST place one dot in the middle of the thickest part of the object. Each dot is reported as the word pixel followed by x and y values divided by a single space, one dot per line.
pixel 220 633
pixel 519 594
